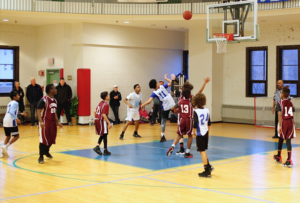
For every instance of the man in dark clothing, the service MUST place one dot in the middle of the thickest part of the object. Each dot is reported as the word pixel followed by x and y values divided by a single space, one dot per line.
pixel 18 89
pixel 115 98
pixel 63 97
pixel 33 93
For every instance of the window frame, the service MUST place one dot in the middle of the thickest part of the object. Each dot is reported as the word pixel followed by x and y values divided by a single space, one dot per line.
pixel 279 66
pixel 16 50
pixel 248 72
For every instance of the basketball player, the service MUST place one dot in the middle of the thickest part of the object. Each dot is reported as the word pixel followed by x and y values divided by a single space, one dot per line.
pixel 10 122
pixel 46 112
pixel 286 127
pixel 161 93
pixel 133 101
pixel 201 131
pixel 185 123
pixel 102 123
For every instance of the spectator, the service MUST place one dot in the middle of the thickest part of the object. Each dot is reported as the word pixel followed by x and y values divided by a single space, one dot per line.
pixel 115 98
pixel 21 101
pixel 144 117
pixel 33 93
pixel 276 99
pixel 63 97
pixel 156 108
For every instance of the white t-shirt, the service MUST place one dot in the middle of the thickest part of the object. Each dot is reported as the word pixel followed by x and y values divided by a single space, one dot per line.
pixel 201 121
pixel 134 99
pixel 10 117
pixel 164 97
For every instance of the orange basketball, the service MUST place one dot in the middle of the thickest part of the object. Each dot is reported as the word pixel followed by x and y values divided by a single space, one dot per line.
pixel 187 15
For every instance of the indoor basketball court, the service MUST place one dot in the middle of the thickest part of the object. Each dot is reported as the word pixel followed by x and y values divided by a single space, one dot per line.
pixel 235 54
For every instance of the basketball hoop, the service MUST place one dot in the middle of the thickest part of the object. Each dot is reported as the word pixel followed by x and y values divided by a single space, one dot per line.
pixel 221 41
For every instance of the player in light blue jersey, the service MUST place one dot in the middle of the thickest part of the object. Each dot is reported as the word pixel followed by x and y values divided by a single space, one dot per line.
pixel 10 122
pixel 161 93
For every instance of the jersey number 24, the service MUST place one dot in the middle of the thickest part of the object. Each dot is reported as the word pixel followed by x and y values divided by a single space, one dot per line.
pixel 202 118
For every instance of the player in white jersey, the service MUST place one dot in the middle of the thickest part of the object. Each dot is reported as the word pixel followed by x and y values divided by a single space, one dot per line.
pixel 133 101
pixel 161 93
pixel 10 122
pixel 201 131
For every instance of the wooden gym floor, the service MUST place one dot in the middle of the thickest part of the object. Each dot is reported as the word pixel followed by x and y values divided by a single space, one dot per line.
pixel 139 170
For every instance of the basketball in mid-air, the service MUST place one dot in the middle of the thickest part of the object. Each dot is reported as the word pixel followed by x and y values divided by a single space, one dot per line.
pixel 187 15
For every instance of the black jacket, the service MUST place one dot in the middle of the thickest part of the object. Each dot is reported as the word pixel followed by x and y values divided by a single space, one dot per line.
pixel 64 93
pixel 21 101
pixel 29 93
pixel 115 102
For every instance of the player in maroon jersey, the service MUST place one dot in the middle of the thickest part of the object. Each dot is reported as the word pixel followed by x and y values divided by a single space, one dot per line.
pixel 185 123
pixel 46 112
pixel 286 127
pixel 102 123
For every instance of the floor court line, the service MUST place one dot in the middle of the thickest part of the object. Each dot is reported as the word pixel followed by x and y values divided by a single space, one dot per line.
pixel 94 184
pixel 209 190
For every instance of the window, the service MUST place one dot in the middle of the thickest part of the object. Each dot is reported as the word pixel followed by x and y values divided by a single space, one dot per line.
pixel 9 68
pixel 185 64
pixel 256 71
pixel 288 67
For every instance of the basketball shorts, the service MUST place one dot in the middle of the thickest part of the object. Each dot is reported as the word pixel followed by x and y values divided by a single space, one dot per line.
pixel 165 114
pixel 48 134
pixel 288 129
pixel 132 115
pixel 14 131
pixel 202 142
pixel 185 126
pixel 101 127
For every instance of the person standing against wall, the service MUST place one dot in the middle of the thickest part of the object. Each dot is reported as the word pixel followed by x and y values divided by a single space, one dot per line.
pixel 34 93
pixel 276 99
pixel 20 91
pixel 115 98
pixel 63 97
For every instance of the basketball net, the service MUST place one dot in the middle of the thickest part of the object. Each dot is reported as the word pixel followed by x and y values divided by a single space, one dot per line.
pixel 221 42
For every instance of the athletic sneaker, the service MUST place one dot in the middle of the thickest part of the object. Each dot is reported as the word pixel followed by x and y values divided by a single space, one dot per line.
pixel 288 163
pixel 205 174
pixel 277 158
pixel 106 152
pixel 169 152
pixel 70 124
pixel 97 150
pixel 181 151
pixel 41 160
pixel 162 139
pixel 188 155
pixel 48 155
pixel 211 168
pixel 4 151
pixel 2 156
pixel 121 137
pixel 136 135
pixel 32 126
pixel 152 124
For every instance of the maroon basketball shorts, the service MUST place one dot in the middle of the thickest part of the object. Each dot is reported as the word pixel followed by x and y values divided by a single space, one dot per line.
pixel 185 126
pixel 48 134
pixel 101 127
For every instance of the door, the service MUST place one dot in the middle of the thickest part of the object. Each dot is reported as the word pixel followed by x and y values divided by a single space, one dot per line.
pixel 53 77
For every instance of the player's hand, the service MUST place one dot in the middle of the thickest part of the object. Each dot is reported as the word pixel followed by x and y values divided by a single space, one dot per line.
pixel 116 97
pixel 207 79
pixel 42 125
pixel 273 111
pixel 18 121
pixel 280 130
pixel 23 114
pixel 194 135
pixel 60 125
pixel 176 111
pixel 166 76
pixel 130 106
pixel 173 77
pixel 109 126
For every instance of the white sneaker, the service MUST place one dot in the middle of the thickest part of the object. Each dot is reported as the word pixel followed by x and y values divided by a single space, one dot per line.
pixel 4 151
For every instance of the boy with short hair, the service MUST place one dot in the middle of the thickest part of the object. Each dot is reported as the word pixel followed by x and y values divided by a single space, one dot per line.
pixel 185 123
pixel 286 127
pixel 10 122
pixel 48 122
pixel 201 131
pixel 133 101
pixel 102 123
pixel 161 93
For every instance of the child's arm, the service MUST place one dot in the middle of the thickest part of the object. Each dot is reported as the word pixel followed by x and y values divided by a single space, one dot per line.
pixel 206 80
pixel 170 81
pixel 57 121
pixel 125 101
pixel 147 102
pixel 194 132
pixel 107 121
pixel 279 123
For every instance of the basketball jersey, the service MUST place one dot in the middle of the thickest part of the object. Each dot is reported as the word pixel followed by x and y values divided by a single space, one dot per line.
pixel 185 109
pixel 134 99
pixel 202 116
pixel 10 117
pixel 102 108
pixel 164 97
pixel 287 109
pixel 49 110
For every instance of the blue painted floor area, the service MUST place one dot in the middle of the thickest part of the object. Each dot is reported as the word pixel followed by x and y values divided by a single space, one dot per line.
pixel 152 155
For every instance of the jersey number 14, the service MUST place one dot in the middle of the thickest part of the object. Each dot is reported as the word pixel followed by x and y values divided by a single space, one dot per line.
pixel 290 112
